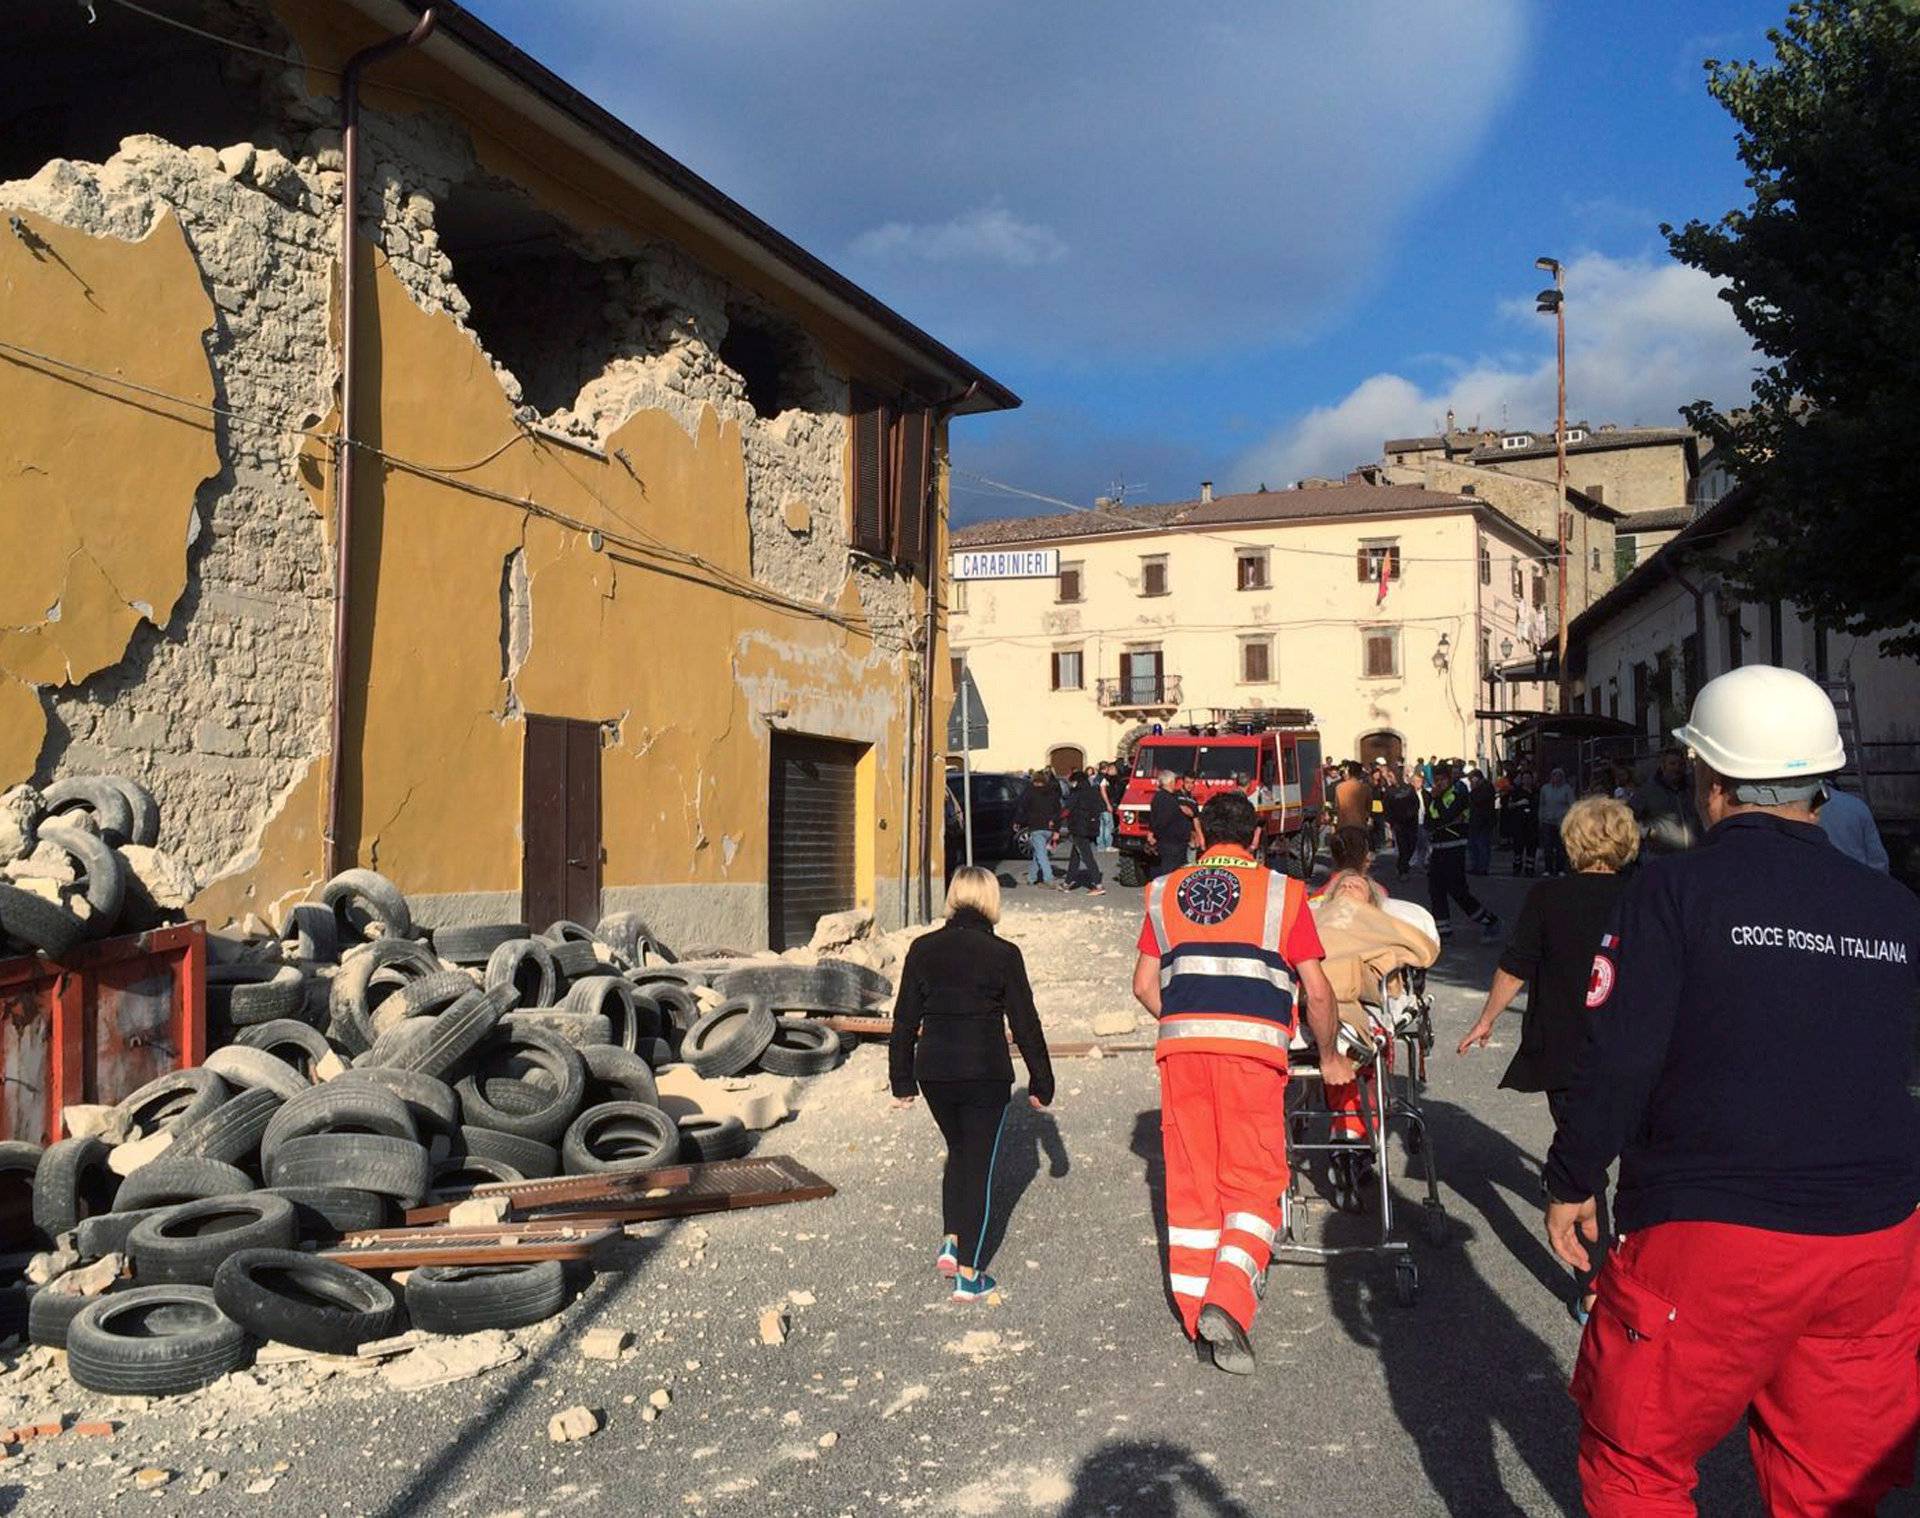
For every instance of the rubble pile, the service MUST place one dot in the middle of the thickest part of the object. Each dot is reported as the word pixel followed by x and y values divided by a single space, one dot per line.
pixel 368 1071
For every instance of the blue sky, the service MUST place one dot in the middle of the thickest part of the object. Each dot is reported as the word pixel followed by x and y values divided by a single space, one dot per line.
pixel 1242 242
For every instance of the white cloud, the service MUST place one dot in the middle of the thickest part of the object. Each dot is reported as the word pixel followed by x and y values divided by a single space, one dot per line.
pixel 988 235
pixel 1078 179
pixel 1643 339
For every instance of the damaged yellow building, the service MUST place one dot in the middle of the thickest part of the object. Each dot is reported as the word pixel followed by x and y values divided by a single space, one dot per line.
pixel 571 542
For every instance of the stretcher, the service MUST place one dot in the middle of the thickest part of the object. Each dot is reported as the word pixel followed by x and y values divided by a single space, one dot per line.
pixel 1393 1014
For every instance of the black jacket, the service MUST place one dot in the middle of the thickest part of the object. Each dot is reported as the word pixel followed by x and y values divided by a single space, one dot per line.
pixel 1085 808
pixel 1403 805
pixel 1168 818
pixel 1038 808
pixel 1752 1026
pixel 961 988
pixel 1447 814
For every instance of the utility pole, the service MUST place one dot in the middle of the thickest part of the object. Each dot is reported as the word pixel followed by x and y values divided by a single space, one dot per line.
pixel 1554 300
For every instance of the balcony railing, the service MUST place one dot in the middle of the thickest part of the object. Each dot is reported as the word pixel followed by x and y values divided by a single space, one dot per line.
pixel 1138 692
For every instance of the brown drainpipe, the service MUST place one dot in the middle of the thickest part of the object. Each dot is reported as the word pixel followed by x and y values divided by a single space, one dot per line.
pixel 343 446
pixel 943 411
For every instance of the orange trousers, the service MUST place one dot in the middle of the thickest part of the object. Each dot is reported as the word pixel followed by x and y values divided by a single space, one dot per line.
pixel 1223 1132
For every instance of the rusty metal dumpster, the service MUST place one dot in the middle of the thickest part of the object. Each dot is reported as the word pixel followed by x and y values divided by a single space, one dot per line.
pixel 98 1025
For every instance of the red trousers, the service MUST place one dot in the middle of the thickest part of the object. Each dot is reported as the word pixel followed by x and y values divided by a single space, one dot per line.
pixel 1223 1130
pixel 1816 1338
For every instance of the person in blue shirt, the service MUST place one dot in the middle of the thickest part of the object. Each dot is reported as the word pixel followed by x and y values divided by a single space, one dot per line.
pixel 1846 820
pixel 1750 1026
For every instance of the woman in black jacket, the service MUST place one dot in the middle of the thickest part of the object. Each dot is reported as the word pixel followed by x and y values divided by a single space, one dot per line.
pixel 960 990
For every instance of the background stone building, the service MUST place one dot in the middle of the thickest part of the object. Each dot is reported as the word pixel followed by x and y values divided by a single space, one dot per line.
pixel 646 500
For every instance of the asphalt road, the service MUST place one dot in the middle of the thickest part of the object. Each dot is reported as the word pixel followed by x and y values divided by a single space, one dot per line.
pixel 1075 1395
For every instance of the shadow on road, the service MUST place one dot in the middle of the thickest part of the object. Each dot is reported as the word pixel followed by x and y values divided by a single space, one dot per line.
pixel 1148 1479
pixel 1029 1137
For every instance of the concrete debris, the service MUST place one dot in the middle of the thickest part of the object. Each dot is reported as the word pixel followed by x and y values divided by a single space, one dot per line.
pixel 151 1478
pixel 447 1360
pixel 261 1487
pixel 603 1344
pixel 328 1066
pixel 157 883
pixel 479 1212
pixel 828 1439
pixel 130 1156
pixel 838 929
pixel 89 1280
pixel 43 1267
pixel 660 1399
pixel 774 1327
pixel 1111 1024
pixel 18 809
pixel 205 1482
pixel 379 1349
pixel 913 1394
pixel 90 1120
pixel 759 1101
pixel 573 1424
pixel 802 1298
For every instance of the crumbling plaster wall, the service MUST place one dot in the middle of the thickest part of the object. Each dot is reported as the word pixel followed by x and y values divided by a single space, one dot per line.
pixel 217 698
pixel 219 702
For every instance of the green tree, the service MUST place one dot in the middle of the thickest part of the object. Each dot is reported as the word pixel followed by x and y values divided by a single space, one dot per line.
pixel 1823 272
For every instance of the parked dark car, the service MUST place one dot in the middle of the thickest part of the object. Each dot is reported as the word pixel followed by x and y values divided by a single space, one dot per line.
pixel 994 797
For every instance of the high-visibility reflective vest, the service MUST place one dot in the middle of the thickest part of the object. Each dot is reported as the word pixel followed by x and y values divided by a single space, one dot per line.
pixel 1225 986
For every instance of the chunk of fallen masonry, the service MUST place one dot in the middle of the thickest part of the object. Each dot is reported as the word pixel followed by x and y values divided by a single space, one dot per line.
pixel 603 1343
pixel 773 1327
pixel 573 1424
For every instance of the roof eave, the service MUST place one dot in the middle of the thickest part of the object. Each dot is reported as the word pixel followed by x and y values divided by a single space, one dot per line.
pixel 487 60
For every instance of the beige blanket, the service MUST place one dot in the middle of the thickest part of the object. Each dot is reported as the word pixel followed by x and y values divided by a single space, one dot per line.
pixel 1364 944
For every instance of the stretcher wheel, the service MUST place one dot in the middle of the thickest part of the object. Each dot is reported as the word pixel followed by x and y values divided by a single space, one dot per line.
pixel 1434 1224
pixel 1406 1283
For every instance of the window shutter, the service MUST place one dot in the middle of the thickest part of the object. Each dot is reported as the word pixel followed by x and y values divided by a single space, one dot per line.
pixel 1393 561
pixel 913 475
pixel 1055 657
pixel 1363 575
pixel 870 472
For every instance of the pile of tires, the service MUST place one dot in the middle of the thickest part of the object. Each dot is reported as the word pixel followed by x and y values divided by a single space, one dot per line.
pixel 80 861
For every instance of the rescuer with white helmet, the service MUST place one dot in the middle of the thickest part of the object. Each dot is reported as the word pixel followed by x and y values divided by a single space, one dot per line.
pixel 1752 1014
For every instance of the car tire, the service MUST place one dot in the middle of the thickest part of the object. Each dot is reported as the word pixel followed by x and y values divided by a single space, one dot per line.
pixel 474 946
pixel 314 934
pixel 376 1162
pixel 103 873
pixel 428 996
pixel 323 1213
pixel 580 961
pixel 338 1107
pixel 246 994
pixel 18 1161
pixel 232 1131
pixel 39 925
pixel 153 1341
pixel 627 934
pixel 455 1176
pixel 366 906
pixel 96 795
pixel 509 1057
pixel 704 1139
pixel 576 1028
pixel 525 966
pixel 173 1101
pixel 51 1313
pixel 172 1179
pixel 184 1245
pixel 350 1016
pixel 464 1299
pixel 108 1232
pixel 534 1160
pixel 71 1182
pixel 616 1075
pixel 633 1015
pixel 294 1043
pixel 457 1035
pixel 620 1136
pixel 729 1038
pixel 679 1005
pixel 144 807
pixel 801 1047
pixel 656 1052
pixel 430 1101
pixel 294 1298
pixel 244 1067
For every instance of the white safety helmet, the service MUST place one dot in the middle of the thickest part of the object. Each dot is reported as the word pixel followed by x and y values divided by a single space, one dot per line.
pixel 1763 723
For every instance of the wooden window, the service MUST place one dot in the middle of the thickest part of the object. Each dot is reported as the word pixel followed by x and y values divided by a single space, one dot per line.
pixel 892 475
pixel 1539 590
pixel 957 601
pixel 1380 650
pixel 1250 569
pixel 1486 563
pixel 1519 583
pixel 1066 669
pixel 1153 575
pixel 1370 556
pixel 1069 589
pixel 1256 661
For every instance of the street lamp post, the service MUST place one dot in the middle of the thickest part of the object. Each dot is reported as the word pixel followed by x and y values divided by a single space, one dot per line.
pixel 1554 301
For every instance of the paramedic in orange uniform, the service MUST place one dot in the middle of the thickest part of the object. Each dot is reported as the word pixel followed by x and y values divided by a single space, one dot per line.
pixel 1228 948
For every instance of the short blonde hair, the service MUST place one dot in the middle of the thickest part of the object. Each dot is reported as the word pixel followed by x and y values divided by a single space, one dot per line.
pixel 1599 831
pixel 976 887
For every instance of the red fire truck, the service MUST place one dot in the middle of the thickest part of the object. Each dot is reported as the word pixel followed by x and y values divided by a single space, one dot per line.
pixel 1273 755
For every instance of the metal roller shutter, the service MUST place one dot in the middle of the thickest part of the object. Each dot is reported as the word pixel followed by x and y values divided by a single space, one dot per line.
pixel 811 820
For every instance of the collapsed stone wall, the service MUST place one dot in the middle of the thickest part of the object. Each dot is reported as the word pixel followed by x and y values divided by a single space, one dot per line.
pixel 223 711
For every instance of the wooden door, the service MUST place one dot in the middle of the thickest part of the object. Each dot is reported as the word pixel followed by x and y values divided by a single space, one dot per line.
pixel 560 822
pixel 1140 677
pixel 811 818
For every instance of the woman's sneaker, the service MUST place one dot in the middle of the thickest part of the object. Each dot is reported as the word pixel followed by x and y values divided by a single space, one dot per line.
pixel 947 1262
pixel 980 1286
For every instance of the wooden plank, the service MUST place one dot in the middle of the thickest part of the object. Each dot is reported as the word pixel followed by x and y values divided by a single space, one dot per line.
pixel 641 1195
pixel 503 1244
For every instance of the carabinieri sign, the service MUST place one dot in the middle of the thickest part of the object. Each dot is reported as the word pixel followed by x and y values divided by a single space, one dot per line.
pixel 1007 564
